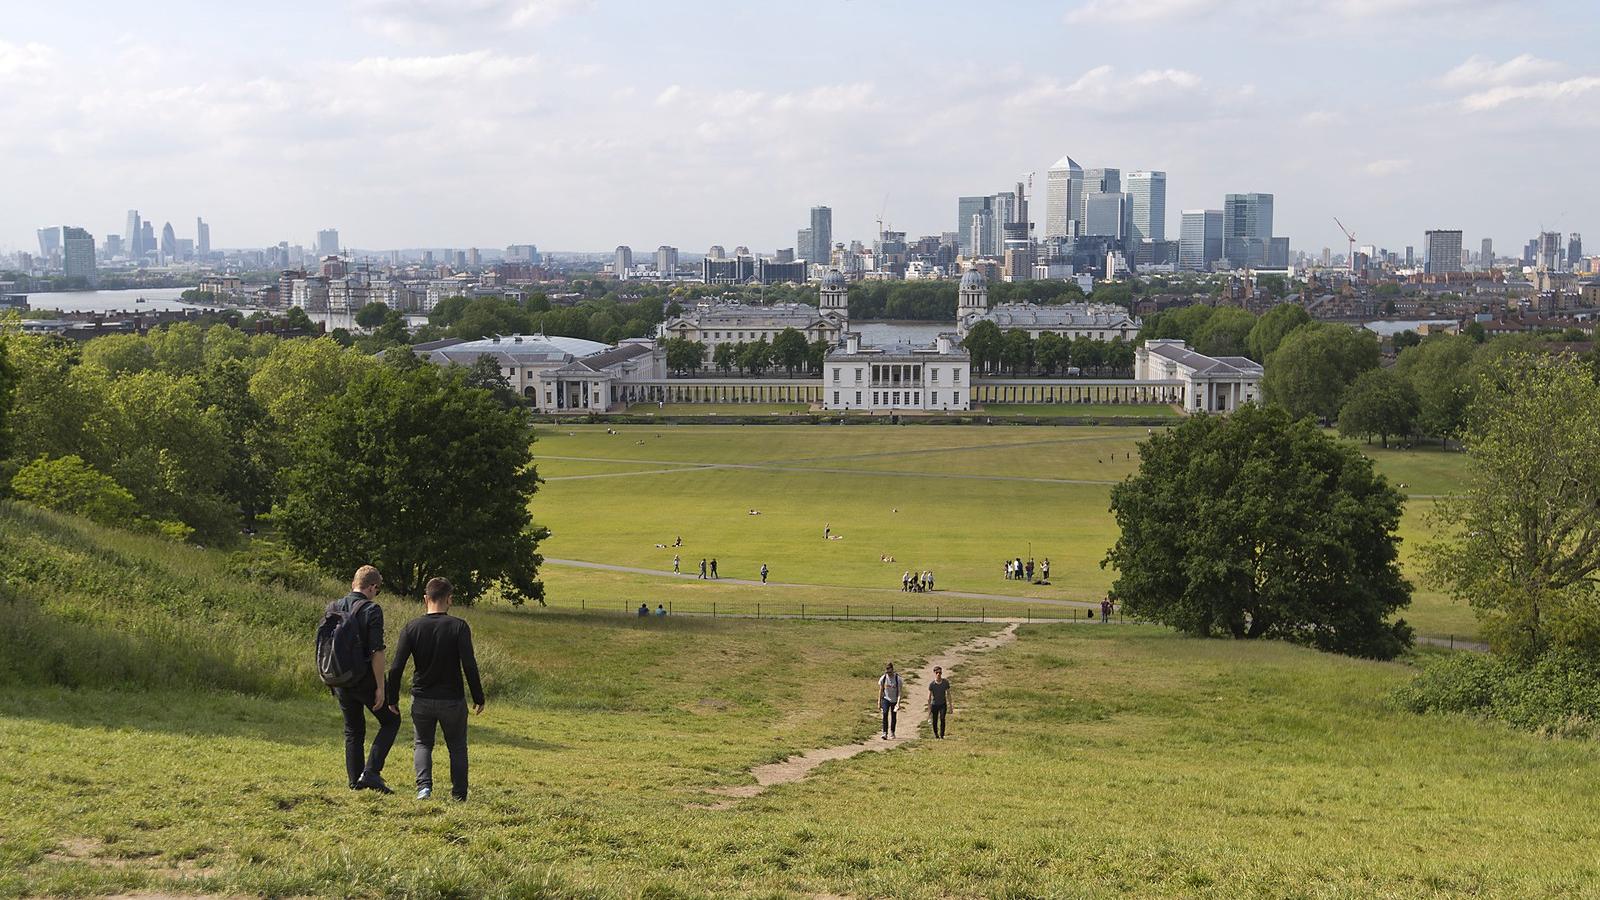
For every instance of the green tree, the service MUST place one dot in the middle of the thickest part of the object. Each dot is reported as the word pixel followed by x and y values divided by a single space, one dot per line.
pixel 1119 355
pixel 817 353
pixel 178 349
pixel 1226 332
pixel 1439 370
pixel 985 343
pixel 486 374
pixel 1521 544
pixel 297 320
pixel 8 396
pixel 224 342
pixel 70 485
pixel 1256 525
pixel 372 315
pixel 1475 331
pixel 684 355
pixel 1048 351
pixel 1273 327
pixel 756 356
pixel 789 349
pixel 300 375
pixel 1016 350
pixel 1381 403
pixel 1087 353
pixel 253 448
pixel 726 358
pixel 1404 339
pixel 1311 370
pixel 437 481
pixel 119 354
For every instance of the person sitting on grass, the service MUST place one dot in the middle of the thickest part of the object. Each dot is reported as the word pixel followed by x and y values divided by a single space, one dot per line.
pixel 441 644
pixel 643 610
pixel 660 610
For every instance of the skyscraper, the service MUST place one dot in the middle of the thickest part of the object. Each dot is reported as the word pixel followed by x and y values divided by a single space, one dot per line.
pixel 623 261
pixel 1105 213
pixel 1247 228
pixel 1486 255
pixel 1096 181
pixel 821 234
pixel 135 234
pixel 1549 255
pixel 49 242
pixel 1200 239
pixel 804 244
pixel 966 208
pixel 1148 209
pixel 147 237
pixel 1063 190
pixel 1574 249
pixel 1442 250
pixel 328 242
pixel 202 236
pixel 666 260
pixel 169 242
pixel 77 258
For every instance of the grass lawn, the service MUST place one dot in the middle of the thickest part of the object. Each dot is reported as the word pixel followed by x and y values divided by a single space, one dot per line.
pixel 1083 410
pixel 956 500
pixel 718 409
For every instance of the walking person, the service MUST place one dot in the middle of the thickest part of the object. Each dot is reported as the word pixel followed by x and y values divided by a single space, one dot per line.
pixel 889 690
pixel 674 563
pixel 441 644
pixel 702 569
pixel 1046 570
pixel 905 581
pixel 713 567
pixel 763 573
pixel 1105 610
pixel 1028 568
pixel 938 701
pixel 363 691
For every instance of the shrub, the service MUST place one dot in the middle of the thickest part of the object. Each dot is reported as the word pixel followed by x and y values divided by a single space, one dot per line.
pixel 71 485
pixel 274 565
pixel 1558 694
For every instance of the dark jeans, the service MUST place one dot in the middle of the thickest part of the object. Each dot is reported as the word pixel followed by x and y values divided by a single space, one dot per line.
pixel 451 717
pixel 936 714
pixel 890 713
pixel 352 702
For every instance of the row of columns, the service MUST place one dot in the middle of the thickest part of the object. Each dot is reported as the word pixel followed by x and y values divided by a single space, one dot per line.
pixel 1075 393
pixel 722 392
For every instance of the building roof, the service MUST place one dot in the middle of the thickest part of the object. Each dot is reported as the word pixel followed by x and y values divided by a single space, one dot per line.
pixel 1068 315
pixel 511 351
pixel 834 280
pixel 1199 363
pixel 974 281
pixel 902 353
pixel 738 315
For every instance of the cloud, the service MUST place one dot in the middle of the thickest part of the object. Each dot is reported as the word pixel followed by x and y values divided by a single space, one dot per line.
pixel 1383 167
pixel 1134 12
pixel 24 62
pixel 1478 71
pixel 1318 118
pixel 421 20
pixel 1540 92
pixel 478 65
pixel 1104 91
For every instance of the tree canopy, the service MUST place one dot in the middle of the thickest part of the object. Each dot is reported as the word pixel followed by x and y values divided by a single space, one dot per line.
pixel 1313 367
pixel 1261 526
pixel 1273 326
pixel 1379 403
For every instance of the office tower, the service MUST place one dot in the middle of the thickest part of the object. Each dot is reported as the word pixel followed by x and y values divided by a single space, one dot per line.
pixel 1147 211
pixel 623 261
pixel 966 208
pixel 1486 255
pixel 821 232
pixel 523 253
pixel 113 246
pixel 981 234
pixel 169 242
pixel 1574 249
pixel 785 255
pixel 1105 214
pixel 77 257
pixel 49 242
pixel 327 242
pixel 147 237
pixel 666 260
pixel 202 237
pixel 804 242
pixel 1277 253
pixel 1096 181
pixel 1019 214
pixel 1063 190
pixel 1200 239
pixel 134 234
pixel 1442 252
pixel 1002 212
pixel 1247 228
pixel 474 258
pixel 1549 254
pixel 1327 257
pixel 716 252
pixel 1411 259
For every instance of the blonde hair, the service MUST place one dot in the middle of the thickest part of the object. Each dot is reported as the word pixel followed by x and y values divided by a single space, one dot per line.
pixel 366 577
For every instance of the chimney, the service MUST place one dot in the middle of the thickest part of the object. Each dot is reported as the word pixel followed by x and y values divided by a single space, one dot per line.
pixel 943 343
pixel 852 342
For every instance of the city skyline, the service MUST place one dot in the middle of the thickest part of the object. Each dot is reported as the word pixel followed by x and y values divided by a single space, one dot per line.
pixel 587 130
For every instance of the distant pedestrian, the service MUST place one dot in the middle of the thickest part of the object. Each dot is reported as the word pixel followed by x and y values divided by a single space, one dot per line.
pixel 938 701
pixel 678 542
pixel 441 644
pixel 1105 610
pixel 827 531
pixel 763 573
pixel 713 567
pixel 905 581
pixel 675 564
pixel 1045 570
pixel 702 569
pixel 1029 569
pixel 355 623
pixel 889 689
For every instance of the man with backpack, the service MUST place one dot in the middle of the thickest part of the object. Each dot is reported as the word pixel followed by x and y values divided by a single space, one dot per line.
pixel 889 688
pixel 350 661
pixel 442 646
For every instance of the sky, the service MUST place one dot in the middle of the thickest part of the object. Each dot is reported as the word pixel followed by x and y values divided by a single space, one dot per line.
pixel 584 124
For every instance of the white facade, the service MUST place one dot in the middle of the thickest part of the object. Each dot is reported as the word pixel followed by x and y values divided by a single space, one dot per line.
pixel 731 323
pixel 899 378
pixel 1211 384
pixel 559 373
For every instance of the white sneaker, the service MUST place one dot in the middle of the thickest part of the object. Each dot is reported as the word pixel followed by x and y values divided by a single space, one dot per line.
pixel 424 793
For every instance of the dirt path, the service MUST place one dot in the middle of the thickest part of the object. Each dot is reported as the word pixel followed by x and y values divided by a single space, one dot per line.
pixel 915 713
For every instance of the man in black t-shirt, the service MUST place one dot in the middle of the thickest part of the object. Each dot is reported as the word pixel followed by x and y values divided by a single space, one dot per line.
pixel 367 693
pixel 938 701
pixel 442 647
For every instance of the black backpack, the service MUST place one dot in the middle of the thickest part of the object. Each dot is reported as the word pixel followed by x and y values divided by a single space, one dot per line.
pixel 340 660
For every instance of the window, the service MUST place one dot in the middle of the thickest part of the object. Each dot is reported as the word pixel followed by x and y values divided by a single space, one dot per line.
pixel 955 376
pixel 858 394
pixel 933 397
pixel 896 398
pixel 874 398
pixel 858 375
pixel 933 375
pixel 835 374
pixel 835 398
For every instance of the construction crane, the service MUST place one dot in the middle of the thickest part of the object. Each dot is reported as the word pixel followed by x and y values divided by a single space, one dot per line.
pixel 1350 254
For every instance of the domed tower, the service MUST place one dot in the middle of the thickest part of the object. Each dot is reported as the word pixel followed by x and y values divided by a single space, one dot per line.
pixel 972 301
pixel 835 298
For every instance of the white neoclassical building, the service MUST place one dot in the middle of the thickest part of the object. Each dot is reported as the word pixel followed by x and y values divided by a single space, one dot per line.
pixel 897 377
pixel 1210 384
pixel 561 374
pixel 1097 321
pixel 731 323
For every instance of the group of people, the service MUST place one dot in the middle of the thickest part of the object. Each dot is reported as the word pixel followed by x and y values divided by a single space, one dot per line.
pixel 644 610
pixel 1019 570
pixel 917 582
pixel 441 646
pixel 891 696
